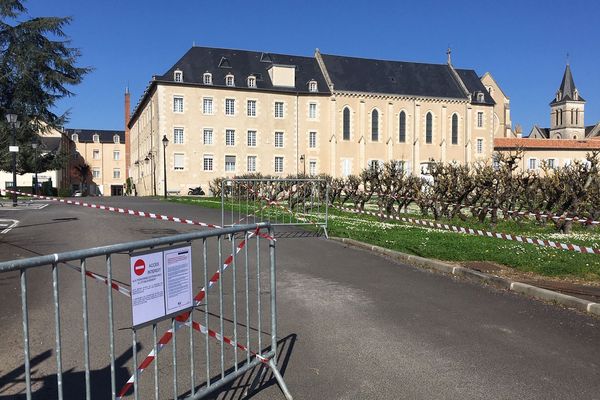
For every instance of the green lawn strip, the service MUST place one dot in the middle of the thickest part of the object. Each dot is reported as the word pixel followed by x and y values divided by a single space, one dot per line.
pixel 580 235
pixel 450 246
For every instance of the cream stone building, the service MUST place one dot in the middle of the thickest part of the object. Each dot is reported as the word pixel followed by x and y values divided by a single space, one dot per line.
pixel 104 151
pixel 566 140
pixel 230 112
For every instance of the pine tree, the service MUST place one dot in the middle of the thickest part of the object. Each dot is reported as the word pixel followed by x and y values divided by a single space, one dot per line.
pixel 37 67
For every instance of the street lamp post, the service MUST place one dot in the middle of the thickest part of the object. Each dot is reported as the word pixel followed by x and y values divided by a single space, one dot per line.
pixel 35 147
pixel 14 149
pixel 165 142
pixel 303 159
pixel 151 157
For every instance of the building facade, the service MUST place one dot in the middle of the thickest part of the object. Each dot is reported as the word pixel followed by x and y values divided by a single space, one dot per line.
pixel 104 152
pixel 226 112
pixel 567 139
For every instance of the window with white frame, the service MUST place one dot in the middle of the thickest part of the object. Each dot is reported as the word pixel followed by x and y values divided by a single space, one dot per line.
pixel 207 106
pixel 251 108
pixel 96 138
pixel 207 78
pixel 96 154
pixel 178 161
pixel 96 172
pixel 278 164
pixel 312 167
pixel 116 139
pixel 278 109
pixel 116 155
pixel 479 146
pixel 116 173
pixel 312 140
pixel 480 119
pixel 346 167
pixel 208 136
pixel 229 163
pixel 551 162
pixel 312 86
pixel 75 137
pixel 229 80
pixel 178 76
pixel 251 163
pixel 229 106
pixel 229 137
pixel 178 104
pixel 278 139
pixel 207 162
pixel 251 82
pixel 312 110
pixel 374 164
pixel 178 135
pixel 251 139
pixel 533 164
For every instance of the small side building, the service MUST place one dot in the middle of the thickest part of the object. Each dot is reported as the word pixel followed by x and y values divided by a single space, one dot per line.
pixel 104 152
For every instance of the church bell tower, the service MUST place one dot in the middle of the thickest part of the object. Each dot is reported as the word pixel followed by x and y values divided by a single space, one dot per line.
pixel 566 110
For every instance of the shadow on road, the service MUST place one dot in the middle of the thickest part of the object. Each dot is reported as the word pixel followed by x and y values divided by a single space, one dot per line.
pixel 236 390
pixel 46 387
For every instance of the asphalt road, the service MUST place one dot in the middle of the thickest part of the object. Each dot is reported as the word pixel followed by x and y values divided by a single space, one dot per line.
pixel 352 325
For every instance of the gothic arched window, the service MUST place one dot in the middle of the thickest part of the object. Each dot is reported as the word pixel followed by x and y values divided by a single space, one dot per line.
pixel 429 128
pixel 346 124
pixel 402 127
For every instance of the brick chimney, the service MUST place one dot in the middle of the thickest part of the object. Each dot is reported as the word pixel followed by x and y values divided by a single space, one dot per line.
pixel 127 134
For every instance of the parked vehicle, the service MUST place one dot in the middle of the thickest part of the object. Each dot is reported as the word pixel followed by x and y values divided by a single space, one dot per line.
pixel 197 191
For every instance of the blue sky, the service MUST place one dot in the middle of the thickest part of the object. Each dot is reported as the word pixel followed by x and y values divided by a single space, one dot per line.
pixel 522 43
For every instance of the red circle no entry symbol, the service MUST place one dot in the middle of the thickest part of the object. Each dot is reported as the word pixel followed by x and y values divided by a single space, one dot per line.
pixel 139 267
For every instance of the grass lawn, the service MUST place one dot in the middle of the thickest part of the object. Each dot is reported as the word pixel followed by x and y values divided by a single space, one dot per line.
pixel 457 247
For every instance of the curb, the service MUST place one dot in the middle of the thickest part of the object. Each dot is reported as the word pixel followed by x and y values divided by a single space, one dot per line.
pixel 496 281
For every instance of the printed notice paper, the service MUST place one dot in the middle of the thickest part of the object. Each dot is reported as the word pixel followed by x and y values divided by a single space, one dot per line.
pixel 178 279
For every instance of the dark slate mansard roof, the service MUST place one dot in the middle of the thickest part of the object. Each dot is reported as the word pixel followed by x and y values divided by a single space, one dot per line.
pixel 105 136
pixel 242 64
pixel 402 78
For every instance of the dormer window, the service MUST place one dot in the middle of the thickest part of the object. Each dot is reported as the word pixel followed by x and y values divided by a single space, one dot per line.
pixel 479 97
pixel 229 81
pixel 75 137
pixel 312 86
pixel 207 78
pixel 116 139
pixel 251 81
pixel 96 138
pixel 178 75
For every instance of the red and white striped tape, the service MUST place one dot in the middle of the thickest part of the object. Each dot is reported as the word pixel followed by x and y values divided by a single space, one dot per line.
pixel 548 215
pixel 183 318
pixel 119 287
pixel 119 210
pixel 478 232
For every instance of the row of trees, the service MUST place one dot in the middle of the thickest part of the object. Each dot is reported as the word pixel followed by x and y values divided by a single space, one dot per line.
pixel 486 191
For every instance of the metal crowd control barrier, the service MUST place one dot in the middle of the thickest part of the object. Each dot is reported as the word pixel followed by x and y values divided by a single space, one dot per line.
pixel 232 316
pixel 280 202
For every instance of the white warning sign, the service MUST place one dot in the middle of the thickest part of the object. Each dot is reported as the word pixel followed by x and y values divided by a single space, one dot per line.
pixel 161 283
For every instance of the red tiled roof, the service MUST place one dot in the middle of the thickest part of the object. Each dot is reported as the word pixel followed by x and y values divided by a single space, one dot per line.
pixel 554 144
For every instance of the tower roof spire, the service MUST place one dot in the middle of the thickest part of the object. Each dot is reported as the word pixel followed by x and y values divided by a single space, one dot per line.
pixel 567 89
